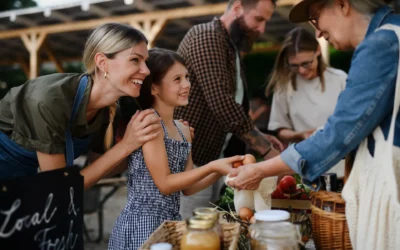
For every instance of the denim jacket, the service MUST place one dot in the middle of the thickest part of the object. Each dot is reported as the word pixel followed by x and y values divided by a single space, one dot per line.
pixel 366 103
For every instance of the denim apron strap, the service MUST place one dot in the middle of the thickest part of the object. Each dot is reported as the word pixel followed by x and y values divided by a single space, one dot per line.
pixel 69 148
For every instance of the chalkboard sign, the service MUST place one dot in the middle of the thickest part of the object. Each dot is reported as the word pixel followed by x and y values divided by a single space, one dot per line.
pixel 42 212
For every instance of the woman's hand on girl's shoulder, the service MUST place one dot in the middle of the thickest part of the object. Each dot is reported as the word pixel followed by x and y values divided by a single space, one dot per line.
pixel 144 126
pixel 186 129
pixel 191 129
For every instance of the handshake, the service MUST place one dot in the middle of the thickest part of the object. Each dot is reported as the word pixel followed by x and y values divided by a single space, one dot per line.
pixel 259 199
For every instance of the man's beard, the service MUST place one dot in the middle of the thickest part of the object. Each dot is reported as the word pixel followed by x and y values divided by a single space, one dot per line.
pixel 241 35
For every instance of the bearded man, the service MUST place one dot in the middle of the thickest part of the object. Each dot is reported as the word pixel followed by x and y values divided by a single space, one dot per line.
pixel 218 106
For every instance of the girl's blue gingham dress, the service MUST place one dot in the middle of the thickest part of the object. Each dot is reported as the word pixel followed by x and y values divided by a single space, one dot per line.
pixel 146 207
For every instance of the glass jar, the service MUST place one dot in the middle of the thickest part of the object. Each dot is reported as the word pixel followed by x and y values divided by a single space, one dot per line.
pixel 272 227
pixel 213 214
pixel 161 246
pixel 276 236
pixel 200 235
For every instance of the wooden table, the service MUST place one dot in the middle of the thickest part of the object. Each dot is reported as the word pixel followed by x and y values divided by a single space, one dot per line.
pixel 115 183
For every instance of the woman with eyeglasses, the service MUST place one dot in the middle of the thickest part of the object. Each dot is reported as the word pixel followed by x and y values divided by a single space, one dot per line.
pixel 365 119
pixel 305 88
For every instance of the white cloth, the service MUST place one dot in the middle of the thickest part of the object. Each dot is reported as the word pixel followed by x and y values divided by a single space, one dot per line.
pixel 372 190
pixel 259 199
pixel 308 107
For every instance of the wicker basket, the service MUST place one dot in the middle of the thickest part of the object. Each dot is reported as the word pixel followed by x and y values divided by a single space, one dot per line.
pixel 330 229
pixel 172 232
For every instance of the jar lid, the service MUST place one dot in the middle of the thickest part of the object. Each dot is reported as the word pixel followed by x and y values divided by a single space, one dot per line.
pixel 206 212
pixel 197 222
pixel 161 246
pixel 272 215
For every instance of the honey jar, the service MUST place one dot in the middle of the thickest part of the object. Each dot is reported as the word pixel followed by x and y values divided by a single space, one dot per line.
pixel 213 214
pixel 200 235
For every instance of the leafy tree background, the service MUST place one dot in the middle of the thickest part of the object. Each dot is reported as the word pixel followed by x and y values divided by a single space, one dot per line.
pixel 10 75
pixel 16 4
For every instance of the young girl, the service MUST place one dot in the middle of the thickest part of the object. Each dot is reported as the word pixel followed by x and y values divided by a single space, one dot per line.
pixel 162 167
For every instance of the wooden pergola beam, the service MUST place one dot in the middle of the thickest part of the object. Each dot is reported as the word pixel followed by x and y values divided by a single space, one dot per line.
pixel 33 41
pixel 61 16
pixel 144 6
pixel 197 2
pixel 99 11
pixel 187 12
pixel 150 28
pixel 203 10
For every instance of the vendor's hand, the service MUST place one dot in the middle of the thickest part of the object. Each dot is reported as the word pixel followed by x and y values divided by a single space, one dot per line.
pixel 224 166
pixel 248 177
pixel 190 128
pixel 143 127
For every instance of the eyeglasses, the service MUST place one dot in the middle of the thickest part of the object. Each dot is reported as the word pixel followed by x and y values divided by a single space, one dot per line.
pixel 305 65
pixel 313 19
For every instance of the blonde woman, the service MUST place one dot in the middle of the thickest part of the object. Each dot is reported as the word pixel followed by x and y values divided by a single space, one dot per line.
pixel 305 89
pixel 50 120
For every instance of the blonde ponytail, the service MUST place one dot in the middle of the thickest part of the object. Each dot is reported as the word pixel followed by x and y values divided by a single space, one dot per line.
pixel 109 137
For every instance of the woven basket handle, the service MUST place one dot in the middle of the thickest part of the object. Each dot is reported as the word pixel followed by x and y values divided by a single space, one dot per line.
pixel 348 165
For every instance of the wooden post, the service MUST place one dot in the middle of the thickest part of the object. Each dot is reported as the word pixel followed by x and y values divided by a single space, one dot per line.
pixel 150 28
pixel 33 41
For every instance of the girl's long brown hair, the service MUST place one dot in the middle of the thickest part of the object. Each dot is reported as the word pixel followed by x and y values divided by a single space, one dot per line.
pixel 297 40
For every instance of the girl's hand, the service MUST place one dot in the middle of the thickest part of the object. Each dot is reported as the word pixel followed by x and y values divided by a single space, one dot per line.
pixel 224 166
pixel 143 127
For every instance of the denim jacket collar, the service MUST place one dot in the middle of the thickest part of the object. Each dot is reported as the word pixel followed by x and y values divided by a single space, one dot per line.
pixel 378 18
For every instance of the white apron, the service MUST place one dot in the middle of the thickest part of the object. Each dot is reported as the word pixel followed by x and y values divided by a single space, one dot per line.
pixel 372 190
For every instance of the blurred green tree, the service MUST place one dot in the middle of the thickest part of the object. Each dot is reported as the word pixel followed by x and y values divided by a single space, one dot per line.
pixel 16 4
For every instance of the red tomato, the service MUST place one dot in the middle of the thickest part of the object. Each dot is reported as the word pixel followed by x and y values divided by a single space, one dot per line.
pixel 288 184
pixel 304 196
pixel 278 194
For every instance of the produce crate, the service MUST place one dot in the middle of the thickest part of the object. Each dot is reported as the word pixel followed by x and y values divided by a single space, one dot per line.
pixel 172 232
pixel 291 204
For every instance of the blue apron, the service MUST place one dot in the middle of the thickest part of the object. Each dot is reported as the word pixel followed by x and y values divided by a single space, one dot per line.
pixel 17 161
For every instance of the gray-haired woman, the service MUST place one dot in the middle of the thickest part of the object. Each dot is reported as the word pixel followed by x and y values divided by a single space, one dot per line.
pixel 364 118
pixel 50 120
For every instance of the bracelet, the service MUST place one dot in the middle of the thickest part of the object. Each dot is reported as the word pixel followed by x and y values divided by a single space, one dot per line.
pixel 266 152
